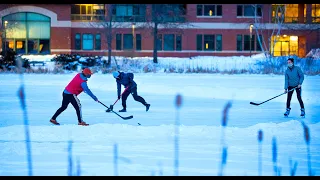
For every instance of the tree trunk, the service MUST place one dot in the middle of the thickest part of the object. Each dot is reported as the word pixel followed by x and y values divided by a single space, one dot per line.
pixel 155 42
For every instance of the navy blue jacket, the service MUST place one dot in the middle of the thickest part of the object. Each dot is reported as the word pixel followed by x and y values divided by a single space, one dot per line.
pixel 125 80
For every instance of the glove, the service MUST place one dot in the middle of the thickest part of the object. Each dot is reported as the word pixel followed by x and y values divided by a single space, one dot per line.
pixel 118 96
pixel 285 91
pixel 95 99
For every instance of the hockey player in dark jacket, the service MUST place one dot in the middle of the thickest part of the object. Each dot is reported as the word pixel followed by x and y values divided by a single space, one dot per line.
pixel 293 78
pixel 126 79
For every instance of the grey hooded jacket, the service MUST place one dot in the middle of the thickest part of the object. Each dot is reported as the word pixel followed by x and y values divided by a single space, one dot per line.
pixel 293 77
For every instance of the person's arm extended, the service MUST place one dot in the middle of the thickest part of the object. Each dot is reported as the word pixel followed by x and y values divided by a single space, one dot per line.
pixel 88 91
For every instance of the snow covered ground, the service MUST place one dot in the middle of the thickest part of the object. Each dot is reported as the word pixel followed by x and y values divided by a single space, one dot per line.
pixel 149 149
pixel 137 64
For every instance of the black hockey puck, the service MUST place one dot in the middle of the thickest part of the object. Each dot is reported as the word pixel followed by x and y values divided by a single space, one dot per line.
pixel 139 124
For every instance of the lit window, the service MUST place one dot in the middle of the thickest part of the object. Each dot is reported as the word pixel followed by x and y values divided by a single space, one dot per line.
pixel 19 44
pixel 209 42
pixel 11 43
pixel 209 10
pixel 284 46
pixel 293 38
pixel 315 13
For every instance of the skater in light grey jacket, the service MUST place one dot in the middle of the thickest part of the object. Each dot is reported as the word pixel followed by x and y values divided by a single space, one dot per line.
pixel 293 78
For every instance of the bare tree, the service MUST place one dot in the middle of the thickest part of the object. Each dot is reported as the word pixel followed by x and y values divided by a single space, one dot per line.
pixel 108 25
pixel 170 17
pixel 278 25
pixel 267 45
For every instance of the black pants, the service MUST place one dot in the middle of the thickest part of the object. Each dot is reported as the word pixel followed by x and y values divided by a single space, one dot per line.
pixel 66 99
pixel 135 95
pixel 289 96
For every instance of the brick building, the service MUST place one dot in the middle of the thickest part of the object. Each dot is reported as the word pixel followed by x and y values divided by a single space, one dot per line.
pixel 203 29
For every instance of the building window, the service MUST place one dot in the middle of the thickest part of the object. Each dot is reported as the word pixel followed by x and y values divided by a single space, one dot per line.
pixel 315 13
pixel 87 41
pixel 246 42
pixel 78 41
pixel 291 13
pixel 27 33
pixel 168 42
pixel 127 42
pixel 178 42
pixel 209 10
pixel 239 42
pixel 243 42
pixel 20 46
pixel 118 41
pixel 259 48
pixel 249 10
pixel 87 12
pixel 169 12
pixel 33 46
pixel 98 42
pixel 171 42
pixel 199 10
pixel 288 13
pixel 138 42
pixel 129 13
pixel 199 42
pixel 284 45
pixel 218 42
pixel 44 47
pixel 159 42
pixel 209 42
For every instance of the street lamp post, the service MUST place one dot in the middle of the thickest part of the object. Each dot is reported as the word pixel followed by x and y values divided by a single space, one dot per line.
pixel 5 36
pixel 251 26
pixel 133 39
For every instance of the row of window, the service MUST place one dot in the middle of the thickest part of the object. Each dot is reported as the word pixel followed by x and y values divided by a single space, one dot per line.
pixel 137 12
pixel 167 42
pixel 213 42
pixel 290 13
pixel 216 10
pixel 28 46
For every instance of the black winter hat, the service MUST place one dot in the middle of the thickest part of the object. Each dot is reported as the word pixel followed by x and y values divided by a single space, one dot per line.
pixel 291 59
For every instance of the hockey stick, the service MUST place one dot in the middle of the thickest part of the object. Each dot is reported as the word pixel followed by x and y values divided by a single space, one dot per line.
pixel 111 106
pixel 257 104
pixel 125 118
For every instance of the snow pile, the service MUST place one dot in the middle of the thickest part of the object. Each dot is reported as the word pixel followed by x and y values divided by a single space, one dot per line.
pixel 167 64
pixel 256 64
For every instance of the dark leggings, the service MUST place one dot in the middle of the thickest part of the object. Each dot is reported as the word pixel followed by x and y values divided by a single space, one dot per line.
pixel 289 96
pixel 135 95
pixel 66 99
